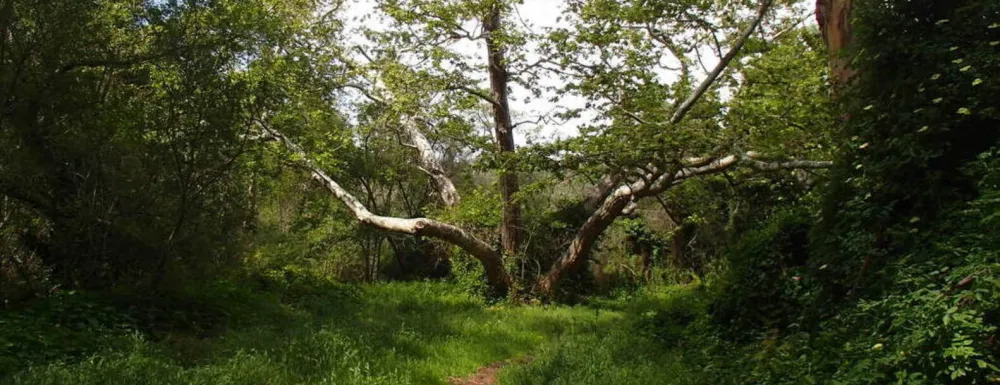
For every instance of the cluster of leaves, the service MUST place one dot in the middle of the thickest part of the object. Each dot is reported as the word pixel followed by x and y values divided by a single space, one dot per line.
pixel 128 127
pixel 921 108
pixel 766 268
pixel 936 322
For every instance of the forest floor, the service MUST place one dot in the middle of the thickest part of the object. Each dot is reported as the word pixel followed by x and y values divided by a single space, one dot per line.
pixel 400 333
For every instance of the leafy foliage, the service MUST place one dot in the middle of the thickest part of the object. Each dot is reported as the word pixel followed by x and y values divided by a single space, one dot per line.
pixel 764 286
pixel 135 172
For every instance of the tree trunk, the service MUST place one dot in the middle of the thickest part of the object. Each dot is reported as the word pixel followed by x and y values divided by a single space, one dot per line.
pixel 585 238
pixel 510 231
pixel 642 249
pixel 678 246
pixel 833 17
pixel 623 198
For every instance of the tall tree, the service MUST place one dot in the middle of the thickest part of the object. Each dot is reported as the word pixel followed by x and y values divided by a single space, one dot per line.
pixel 493 31
pixel 116 113
pixel 644 140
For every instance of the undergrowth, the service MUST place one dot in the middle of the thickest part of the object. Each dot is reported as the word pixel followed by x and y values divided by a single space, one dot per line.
pixel 399 333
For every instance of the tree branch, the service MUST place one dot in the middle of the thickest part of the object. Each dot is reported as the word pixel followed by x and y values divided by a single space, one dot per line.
pixel 476 93
pixel 619 201
pixel 686 106
pixel 490 259
pixel 430 164
pixel 117 63
pixel 750 160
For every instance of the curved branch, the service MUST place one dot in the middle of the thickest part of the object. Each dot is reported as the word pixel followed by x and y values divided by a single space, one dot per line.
pixel 428 161
pixel 619 201
pixel 421 227
pixel 750 160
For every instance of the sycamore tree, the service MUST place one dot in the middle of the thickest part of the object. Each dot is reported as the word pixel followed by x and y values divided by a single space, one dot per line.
pixel 653 81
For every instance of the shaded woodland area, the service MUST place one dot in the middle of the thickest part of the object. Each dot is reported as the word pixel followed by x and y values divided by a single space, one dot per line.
pixel 367 192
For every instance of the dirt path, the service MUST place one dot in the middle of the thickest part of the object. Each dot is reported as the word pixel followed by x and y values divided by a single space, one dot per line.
pixel 488 374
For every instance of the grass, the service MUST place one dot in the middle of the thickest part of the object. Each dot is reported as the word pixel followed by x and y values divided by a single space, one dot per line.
pixel 397 333
pixel 653 341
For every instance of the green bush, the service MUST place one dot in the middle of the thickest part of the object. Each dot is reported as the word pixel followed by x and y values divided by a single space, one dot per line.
pixel 766 283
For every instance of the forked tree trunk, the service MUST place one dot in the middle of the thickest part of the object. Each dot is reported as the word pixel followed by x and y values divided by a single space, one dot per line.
pixel 510 230
pixel 618 200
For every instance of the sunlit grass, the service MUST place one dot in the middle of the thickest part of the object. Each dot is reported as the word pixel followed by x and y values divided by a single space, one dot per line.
pixel 400 333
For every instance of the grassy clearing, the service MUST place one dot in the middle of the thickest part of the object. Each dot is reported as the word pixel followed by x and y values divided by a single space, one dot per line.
pixel 400 333
pixel 655 340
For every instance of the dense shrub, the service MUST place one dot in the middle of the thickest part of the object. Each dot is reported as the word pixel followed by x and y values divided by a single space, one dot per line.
pixel 922 107
pixel 900 281
pixel 765 284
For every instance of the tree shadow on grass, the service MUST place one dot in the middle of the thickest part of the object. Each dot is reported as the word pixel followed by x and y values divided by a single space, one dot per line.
pixel 386 333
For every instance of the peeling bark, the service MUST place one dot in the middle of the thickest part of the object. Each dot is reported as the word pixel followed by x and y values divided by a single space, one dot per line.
pixel 833 17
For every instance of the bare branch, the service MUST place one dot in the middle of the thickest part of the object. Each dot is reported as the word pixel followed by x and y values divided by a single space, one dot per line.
pixel 111 63
pixel 476 93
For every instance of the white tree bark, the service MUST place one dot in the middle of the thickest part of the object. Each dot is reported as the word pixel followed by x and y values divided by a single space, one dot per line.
pixel 492 263
pixel 750 160
pixel 430 164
